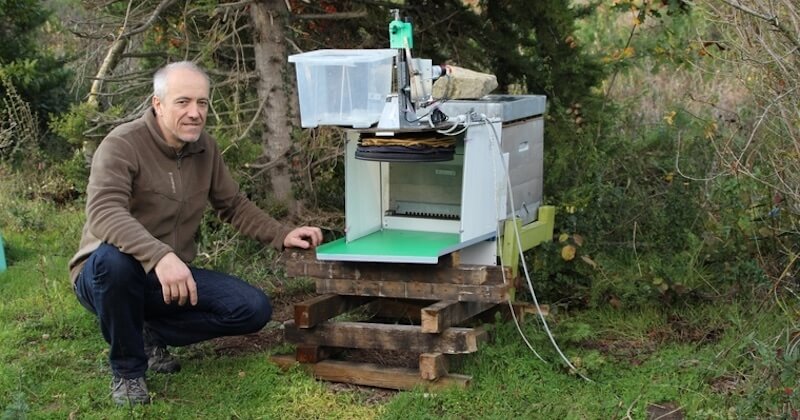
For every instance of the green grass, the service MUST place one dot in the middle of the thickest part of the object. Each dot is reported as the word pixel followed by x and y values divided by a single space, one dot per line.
pixel 720 360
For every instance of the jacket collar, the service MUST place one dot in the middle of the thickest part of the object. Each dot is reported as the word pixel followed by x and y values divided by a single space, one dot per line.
pixel 199 146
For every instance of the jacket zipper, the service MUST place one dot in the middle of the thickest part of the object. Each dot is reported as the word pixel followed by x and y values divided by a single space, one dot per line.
pixel 172 182
pixel 179 156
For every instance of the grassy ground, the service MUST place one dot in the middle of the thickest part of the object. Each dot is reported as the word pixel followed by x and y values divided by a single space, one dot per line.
pixel 720 360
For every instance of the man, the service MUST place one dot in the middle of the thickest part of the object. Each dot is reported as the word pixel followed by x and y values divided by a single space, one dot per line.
pixel 150 182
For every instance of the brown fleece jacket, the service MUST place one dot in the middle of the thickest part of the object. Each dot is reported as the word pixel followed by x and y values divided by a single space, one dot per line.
pixel 147 200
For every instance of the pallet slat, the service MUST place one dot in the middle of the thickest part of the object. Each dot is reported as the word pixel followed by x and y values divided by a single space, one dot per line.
pixel 310 354
pixel 449 271
pixel 322 308
pixel 414 290
pixel 432 366
pixel 361 335
pixel 444 314
pixel 373 375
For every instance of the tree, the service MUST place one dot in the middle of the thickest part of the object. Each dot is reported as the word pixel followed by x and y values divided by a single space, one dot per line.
pixel 36 74
pixel 31 74
pixel 759 40
pixel 269 19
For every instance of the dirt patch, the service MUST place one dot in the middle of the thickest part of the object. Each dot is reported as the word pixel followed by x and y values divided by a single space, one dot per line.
pixel 676 330
pixel 365 394
pixel 633 351
pixel 729 384
pixel 683 330
pixel 665 411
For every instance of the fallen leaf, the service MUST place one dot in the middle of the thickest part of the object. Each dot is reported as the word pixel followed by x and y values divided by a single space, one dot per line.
pixel 589 261
pixel 670 117
pixel 568 253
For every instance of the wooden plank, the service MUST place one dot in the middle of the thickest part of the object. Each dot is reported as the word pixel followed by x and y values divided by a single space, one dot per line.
pixel 432 366
pixel 322 308
pixel 451 260
pixel 311 354
pixel 414 290
pixel 362 335
pixel 449 270
pixel 442 315
pixel 369 374
pixel 529 308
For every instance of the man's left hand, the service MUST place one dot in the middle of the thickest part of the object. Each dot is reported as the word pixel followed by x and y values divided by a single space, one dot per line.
pixel 303 237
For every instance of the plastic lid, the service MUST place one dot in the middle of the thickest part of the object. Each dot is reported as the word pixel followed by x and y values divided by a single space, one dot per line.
pixel 342 57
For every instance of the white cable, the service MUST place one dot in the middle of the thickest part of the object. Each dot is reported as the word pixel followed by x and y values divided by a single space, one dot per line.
pixel 463 118
pixel 458 120
pixel 482 118
pixel 514 315
pixel 503 271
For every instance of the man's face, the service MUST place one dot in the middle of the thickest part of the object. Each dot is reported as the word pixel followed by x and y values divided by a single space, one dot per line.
pixel 181 113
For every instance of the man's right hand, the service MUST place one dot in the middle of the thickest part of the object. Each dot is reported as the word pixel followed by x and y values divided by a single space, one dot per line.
pixel 177 283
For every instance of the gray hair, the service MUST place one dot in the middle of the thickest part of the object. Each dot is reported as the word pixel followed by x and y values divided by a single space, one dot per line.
pixel 160 78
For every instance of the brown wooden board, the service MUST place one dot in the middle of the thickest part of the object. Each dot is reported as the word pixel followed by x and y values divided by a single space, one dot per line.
pixel 322 308
pixel 414 290
pixel 373 375
pixel 362 335
pixel 311 354
pixel 444 314
pixel 432 365
pixel 448 271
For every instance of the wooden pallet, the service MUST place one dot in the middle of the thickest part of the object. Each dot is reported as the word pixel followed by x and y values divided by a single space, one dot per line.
pixel 411 308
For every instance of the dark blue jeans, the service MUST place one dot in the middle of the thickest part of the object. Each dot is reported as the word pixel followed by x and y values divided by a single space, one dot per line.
pixel 125 299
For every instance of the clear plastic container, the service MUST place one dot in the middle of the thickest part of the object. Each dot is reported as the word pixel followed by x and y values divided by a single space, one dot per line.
pixel 343 87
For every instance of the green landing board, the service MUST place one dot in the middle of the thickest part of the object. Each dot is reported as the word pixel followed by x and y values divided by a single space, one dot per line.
pixel 403 246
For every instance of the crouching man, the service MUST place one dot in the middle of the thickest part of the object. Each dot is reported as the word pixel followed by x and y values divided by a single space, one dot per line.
pixel 150 182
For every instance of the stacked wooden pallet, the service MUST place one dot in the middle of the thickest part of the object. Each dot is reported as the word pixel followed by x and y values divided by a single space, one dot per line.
pixel 412 308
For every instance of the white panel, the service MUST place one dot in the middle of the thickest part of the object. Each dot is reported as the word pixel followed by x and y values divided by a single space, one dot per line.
pixel 421 224
pixel 362 202
pixel 483 199
pixel 384 178
pixel 482 253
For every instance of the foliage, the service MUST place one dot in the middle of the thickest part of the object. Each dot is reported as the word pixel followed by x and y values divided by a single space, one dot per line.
pixel 19 129
pixel 38 76
pixel 34 84
pixel 539 53
pixel 637 176
pixel 758 144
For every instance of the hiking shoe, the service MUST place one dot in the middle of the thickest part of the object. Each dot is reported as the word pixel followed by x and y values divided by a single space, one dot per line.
pixel 129 391
pixel 158 357
pixel 159 360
